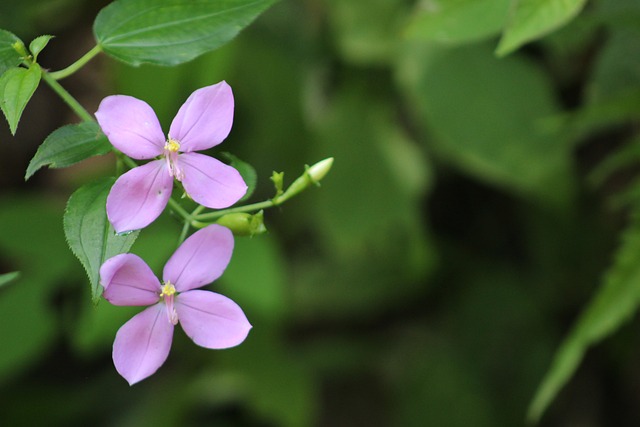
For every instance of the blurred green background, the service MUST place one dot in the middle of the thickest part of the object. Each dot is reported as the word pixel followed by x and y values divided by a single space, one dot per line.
pixel 474 207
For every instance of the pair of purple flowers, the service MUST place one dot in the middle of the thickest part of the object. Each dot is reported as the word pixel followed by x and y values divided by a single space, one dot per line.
pixel 139 196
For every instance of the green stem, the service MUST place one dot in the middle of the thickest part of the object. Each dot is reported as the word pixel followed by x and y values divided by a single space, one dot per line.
pixel 66 72
pixel 66 97
pixel 197 210
pixel 183 233
pixel 126 160
pixel 246 208
pixel 119 166
pixel 179 209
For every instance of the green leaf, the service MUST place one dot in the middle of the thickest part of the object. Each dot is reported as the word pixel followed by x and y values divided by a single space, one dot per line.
pixel 247 172
pixel 33 241
pixel 458 21
pixel 17 85
pixel 9 57
pixel 615 70
pixel 614 303
pixel 68 145
pixel 89 233
pixel 366 32
pixel 263 260
pixel 365 218
pixel 37 44
pixel 8 277
pixel 491 130
pixel 533 19
pixel 170 32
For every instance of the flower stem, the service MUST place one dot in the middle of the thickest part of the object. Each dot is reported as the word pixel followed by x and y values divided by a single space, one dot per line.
pixel 246 208
pixel 66 97
pixel 126 160
pixel 179 209
pixel 183 233
pixel 66 72
pixel 311 175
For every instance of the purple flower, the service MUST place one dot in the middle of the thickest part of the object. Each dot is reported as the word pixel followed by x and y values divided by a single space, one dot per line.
pixel 139 196
pixel 209 319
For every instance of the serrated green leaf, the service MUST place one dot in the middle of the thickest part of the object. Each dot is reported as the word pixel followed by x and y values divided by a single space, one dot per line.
pixel 8 277
pixel 37 44
pixel 170 32
pixel 613 304
pixel 247 172
pixel 17 85
pixel 9 57
pixel 532 19
pixel 458 21
pixel 89 234
pixel 68 145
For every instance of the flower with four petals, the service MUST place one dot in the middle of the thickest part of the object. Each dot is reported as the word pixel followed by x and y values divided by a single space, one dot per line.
pixel 209 319
pixel 139 196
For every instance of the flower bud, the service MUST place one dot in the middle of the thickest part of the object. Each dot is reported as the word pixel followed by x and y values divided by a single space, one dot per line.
pixel 244 224
pixel 278 182
pixel 320 169
pixel 312 175
pixel 20 48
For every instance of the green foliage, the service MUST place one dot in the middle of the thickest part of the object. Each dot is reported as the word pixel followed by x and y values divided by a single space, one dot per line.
pixel 491 130
pixel 294 403
pixel 8 277
pixel 533 19
pixel 69 145
pixel 38 44
pixel 247 172
pixel 432 271
pixel 367 32
pixel 458 21
pixel 256 275
pixel 89 233
pixel 24 309
pixel 360 228
pixel 17 85
pixel 419 403
pixel 170 32
pixel 9 57
pixel 615 72
pixel 613 304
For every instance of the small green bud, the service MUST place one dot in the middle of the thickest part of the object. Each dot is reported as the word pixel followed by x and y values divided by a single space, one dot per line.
pixel 244 224
pixel 311 175
pixel 19 47
pixel 278 181
pixel 320 169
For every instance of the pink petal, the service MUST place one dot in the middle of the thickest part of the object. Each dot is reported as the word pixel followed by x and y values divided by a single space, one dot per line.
pixel 209 181
pixel 139 196
pixel 128 280
pixel 132 126
pixel 201 259
pixel 205 119
pixel 143 343
pixel 211 320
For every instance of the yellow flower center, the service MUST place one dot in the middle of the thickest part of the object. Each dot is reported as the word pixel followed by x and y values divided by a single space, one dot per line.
pixel 172 145
pixel 168 290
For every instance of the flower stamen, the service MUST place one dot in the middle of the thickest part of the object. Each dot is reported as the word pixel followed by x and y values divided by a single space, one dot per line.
pixel 171 149
pixel 167 294
pixel 172 145
pixel 168 290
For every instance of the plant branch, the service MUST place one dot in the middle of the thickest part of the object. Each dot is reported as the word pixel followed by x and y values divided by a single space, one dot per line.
pixel 66 72
pixel 246 208
pixel 66 97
